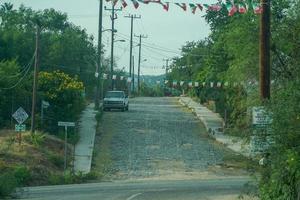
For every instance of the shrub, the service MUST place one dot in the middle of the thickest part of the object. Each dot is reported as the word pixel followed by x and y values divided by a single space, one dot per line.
pixel 22 175
pixel 8 184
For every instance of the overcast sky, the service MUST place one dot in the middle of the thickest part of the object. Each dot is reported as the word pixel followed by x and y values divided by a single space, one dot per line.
pixel 166 31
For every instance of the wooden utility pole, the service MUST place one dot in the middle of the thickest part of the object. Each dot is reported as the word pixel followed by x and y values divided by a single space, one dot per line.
pixel 35 78
pixel 99 67
pixel 139 62
pixel 264 58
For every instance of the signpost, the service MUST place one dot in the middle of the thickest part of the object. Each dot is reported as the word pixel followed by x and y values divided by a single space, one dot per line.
pixel 66 125
pixel 20 116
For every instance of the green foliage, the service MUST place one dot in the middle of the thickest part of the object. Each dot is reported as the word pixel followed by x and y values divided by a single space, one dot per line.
pixel 8 184
pixel 22 175
pixel 36 139
pixel 69 178
pixel 65 96
pixel 154 91
pixel 282 176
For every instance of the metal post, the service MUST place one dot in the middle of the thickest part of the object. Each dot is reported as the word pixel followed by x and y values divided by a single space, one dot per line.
pixel 112 44
pixel 133 74
pixel 265 35
pixel 42 114
pixel 139 63
pixel 130 52
pixel 35 78
pixel 66 140
pixel 99 71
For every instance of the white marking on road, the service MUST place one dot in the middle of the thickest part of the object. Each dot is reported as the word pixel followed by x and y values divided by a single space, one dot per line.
pixel 133 196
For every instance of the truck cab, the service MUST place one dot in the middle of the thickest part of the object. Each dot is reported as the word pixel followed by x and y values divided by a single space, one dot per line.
pixel 115 100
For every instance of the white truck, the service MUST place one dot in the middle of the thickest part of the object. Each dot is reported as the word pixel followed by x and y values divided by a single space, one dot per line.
pixel 115 100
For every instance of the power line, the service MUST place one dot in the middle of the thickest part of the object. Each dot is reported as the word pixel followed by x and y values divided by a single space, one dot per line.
pixel 23 69
pixel 21 79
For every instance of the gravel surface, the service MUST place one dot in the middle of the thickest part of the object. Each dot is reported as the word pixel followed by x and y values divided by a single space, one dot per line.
pixel 158 137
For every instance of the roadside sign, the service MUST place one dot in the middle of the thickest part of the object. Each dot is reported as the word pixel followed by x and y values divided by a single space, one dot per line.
pixel 66 124
pixel 260 117
pixel 20 115
pixel 45 104
pixel 20 127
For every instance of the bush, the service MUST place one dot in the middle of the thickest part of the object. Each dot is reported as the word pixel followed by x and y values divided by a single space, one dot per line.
pixel 22 175
pixel 8 184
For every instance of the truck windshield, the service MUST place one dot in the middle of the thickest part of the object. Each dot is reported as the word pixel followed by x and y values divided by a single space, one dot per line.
pixel 114 95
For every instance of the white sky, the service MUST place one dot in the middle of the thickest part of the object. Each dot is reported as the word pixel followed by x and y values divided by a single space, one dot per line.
pixel 166 31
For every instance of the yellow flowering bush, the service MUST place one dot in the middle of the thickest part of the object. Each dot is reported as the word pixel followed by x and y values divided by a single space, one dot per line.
pixel 64 94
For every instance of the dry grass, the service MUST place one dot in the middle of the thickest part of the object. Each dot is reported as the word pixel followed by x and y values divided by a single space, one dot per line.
pixel 42 159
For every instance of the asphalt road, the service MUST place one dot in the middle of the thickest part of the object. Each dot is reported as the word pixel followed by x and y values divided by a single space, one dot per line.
pixel 228 189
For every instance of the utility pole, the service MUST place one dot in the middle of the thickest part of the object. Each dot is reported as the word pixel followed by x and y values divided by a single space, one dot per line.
pixel 133 74
pixel 99 71
pixel 132 17
pixel 264 58
pixel 167 66
pixel 139 62
pixel 113 18
pixel 35 78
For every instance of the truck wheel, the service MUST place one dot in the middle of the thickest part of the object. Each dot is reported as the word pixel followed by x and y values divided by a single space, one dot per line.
pixel 127 107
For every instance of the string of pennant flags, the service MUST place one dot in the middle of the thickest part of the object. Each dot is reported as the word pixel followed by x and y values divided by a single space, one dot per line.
pixel 190 84
pixel 232 6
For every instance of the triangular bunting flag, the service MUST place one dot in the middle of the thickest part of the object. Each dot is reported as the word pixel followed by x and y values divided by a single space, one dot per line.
pixel 200 6
pixel 165 6
pixel 135 4
pixel 181 5
pixel 193 7
pixel 115 2
pixel 257 8
pixel 144 1
pixel 214 7
pixel 242 8
pixel 124 4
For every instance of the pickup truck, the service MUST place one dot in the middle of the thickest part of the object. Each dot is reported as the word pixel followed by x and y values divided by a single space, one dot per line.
pixel 115 100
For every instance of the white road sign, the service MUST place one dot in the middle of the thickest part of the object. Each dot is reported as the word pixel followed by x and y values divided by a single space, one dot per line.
pixel 20 127
pixel 20 115
pixel 66 123
pixel 260 116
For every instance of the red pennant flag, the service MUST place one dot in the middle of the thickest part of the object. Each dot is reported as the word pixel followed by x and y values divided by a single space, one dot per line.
pixel 166 6
pixel 242 8
pixel 257 8
pixel 232 11
pixel 124 4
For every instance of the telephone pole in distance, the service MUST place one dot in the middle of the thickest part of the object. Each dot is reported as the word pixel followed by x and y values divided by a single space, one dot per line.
pixel 132 17
pixel 140 54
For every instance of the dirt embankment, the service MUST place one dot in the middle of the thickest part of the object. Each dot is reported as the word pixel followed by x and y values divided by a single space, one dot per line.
pixel 39 160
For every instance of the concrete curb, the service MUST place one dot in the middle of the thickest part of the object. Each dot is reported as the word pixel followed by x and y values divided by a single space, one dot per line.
pixel 214 124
